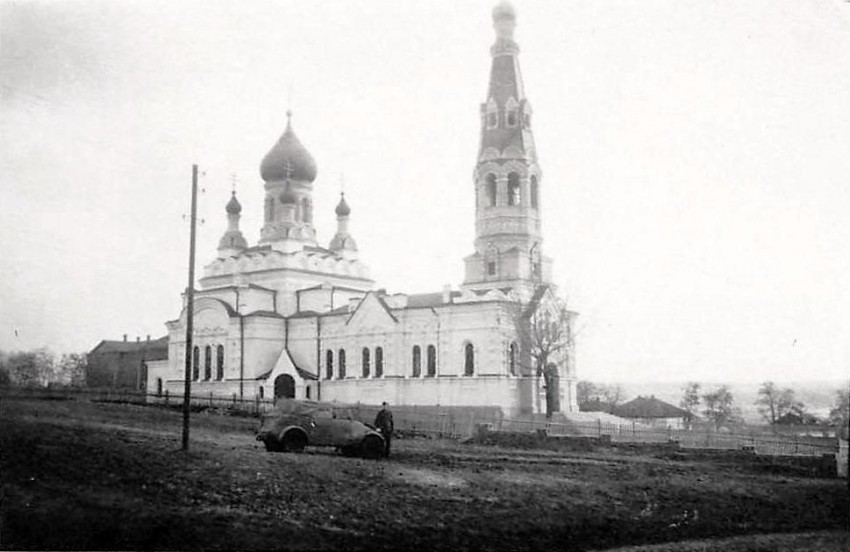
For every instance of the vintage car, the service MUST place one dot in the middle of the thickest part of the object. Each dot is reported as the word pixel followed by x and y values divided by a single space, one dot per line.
pixel 294 424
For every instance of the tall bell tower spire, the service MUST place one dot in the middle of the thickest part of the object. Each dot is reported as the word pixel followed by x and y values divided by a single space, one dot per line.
pixel 507 177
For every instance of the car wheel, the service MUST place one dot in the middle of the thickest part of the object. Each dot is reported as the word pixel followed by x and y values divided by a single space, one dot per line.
pixel 372 447
pixel 294 441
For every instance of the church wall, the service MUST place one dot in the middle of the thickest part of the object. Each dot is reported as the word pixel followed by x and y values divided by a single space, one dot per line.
pixel 315 300
pixel 252 299
pixel 302 341
pixel 425 391
pixel 263 342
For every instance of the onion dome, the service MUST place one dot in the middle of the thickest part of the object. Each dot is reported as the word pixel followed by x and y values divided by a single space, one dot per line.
pixel 233 206
pixel 342 208
pixel 288 196
pixel 288 158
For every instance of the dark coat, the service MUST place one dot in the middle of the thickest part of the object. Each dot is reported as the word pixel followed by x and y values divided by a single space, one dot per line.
pixel 384 422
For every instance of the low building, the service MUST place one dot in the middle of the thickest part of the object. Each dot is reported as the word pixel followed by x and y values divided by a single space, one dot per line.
pixel 653 412
pixel 123 364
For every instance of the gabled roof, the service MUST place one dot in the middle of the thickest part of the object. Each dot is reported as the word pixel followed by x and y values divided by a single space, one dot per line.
pixel 107 346
pixel 649 407
pixel 297 363
pixel 364 301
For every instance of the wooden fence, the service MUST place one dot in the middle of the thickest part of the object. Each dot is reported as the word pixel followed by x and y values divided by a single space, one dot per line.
pixel 459 422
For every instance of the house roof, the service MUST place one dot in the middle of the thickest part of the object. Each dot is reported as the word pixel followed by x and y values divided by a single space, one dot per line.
pixel 649 407
pixel 107 346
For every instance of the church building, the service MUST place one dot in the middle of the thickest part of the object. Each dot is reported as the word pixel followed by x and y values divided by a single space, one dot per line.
pixel 290 317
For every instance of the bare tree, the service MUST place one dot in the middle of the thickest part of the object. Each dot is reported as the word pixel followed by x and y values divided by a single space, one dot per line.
pixel 613 395
pixel 719 406
pixel 587 391
pixel 690 401
pixel 774 403
pixel 839 414
pixel 547 334
pixel 72 369
pixel 30 369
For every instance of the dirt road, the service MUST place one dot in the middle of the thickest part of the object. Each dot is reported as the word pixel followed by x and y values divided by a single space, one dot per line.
pixel 81 475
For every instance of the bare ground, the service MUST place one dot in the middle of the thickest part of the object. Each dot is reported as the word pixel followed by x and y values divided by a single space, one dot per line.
pixel 78 475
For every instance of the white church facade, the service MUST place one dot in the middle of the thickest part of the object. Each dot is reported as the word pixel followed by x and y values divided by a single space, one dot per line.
pixel 289 317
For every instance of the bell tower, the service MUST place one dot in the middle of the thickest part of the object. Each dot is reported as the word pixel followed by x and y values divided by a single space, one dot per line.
pixel 507 178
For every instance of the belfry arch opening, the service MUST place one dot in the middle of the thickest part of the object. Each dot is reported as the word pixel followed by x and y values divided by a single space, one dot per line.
pixel 491 190
pixel 514 190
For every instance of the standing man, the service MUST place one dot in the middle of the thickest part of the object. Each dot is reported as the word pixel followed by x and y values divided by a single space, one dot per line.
pixel 384 423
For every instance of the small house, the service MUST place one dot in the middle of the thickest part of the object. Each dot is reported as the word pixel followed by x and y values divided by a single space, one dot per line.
pixel 653 412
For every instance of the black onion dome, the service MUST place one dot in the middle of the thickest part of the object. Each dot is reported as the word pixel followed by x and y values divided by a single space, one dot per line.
pixel 342 208
pixel 288 158
pixel 233 206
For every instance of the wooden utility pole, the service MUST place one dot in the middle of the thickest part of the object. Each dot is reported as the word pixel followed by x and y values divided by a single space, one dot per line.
pixel 190 308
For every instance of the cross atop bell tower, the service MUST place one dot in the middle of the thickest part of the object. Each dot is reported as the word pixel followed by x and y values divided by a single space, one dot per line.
pixel 507 177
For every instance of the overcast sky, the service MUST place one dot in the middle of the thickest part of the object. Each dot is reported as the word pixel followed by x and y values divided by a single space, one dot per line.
pixel 695 157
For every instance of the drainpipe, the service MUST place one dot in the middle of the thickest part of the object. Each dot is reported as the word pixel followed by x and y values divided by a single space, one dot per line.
pixel 319 358
pixel 241 357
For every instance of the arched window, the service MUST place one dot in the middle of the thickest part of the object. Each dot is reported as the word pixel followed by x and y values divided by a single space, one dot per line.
pixel 492 120
pixel 513 352
pixel 511 118
pixel 379 362
pixel 219 362
pixel 262 393
pixel 306 210
pixel 341 357
pixel 306 391
pixel 491 190
pixel 514 192
pixel 468 360
pixel 196 363
pixel 329 364
pixel 269 209
pixel 534 191
pixel 207 363
pixel 491 258
pixel 417 361
pixel 364 361
pixel 158 387
pixel 432 361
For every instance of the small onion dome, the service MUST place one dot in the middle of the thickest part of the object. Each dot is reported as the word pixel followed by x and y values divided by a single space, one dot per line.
pixel 342 208
pixel 504 10
pixel 287 196
pixel 288 158
pixel 233 206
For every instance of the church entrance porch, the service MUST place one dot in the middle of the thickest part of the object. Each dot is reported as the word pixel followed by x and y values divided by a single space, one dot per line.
pixel 284 387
